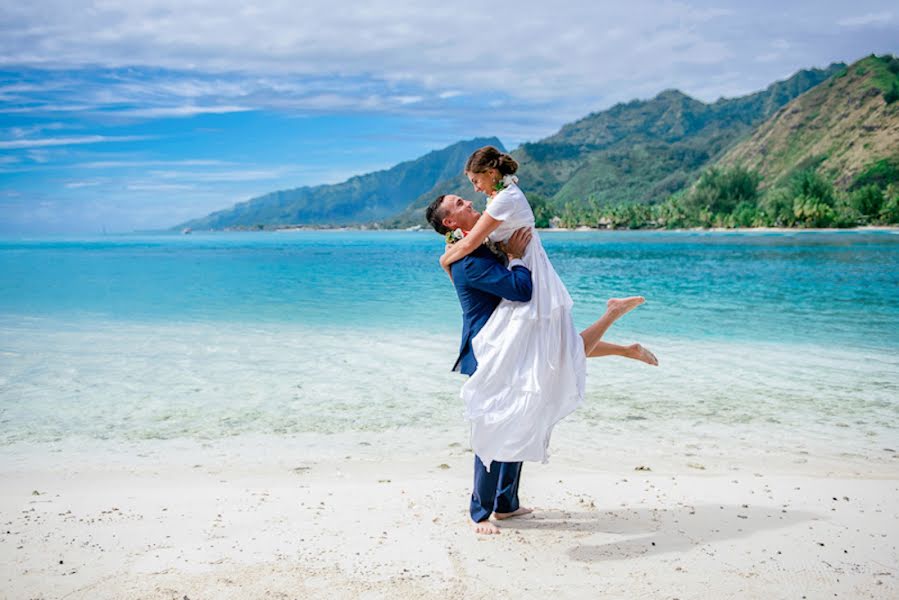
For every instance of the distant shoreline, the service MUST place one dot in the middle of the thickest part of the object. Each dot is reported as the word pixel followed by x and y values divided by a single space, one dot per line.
pixel 290 229
pixel 744 229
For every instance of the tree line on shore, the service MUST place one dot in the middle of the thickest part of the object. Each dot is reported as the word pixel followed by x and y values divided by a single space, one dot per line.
pixel 732 197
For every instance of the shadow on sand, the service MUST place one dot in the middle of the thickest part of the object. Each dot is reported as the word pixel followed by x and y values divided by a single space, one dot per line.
pixel 659 531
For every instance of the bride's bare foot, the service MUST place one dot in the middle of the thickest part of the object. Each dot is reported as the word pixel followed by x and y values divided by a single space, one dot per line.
pixel 618 307
pixel 638 352
pixel 521 511
pixel 484 528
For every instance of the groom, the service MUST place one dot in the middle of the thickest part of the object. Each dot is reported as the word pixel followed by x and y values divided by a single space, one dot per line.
pixel 482 280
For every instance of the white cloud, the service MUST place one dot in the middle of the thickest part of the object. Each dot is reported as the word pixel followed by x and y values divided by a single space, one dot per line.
pixel 46 108
pixel 68 141
pixel 129 164
pixel 219 176
pixel 768 57
pixel 158 187
pixel 881 18
pixel 74 185
pixel 180 111
pixel 538 50
pixel 23 132
pixel 171 58
pixel 39 156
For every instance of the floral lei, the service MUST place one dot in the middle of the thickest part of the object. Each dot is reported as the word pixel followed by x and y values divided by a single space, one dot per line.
pixel 457 234
pixel 505 182
pixel 454 236
pixel 502 184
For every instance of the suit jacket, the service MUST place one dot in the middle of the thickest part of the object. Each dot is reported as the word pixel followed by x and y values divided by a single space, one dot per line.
pixel 481 281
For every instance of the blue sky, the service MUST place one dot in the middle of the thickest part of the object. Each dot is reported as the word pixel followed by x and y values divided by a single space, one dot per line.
pixel 139 115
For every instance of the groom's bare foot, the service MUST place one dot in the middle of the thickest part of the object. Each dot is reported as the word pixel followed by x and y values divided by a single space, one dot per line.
pixel 484 528
pixel 638 352
pixel 618 307
pixel 517 513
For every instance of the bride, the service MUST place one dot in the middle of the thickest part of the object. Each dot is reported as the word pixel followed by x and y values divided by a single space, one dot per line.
pixel 531 358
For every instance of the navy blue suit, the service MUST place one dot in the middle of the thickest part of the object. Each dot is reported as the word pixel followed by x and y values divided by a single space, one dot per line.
pixel 481 281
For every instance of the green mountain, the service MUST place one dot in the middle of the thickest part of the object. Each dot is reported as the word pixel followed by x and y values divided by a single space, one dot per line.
pixel 643 151
pixel 362 199
pixel 636 152
pixel 828 158
pixel 842 129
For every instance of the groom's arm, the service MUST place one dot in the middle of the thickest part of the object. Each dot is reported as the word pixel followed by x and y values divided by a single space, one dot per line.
pixel 487 274
pixel 514 282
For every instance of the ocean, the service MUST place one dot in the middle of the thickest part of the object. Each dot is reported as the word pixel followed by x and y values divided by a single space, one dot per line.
pixel 786 338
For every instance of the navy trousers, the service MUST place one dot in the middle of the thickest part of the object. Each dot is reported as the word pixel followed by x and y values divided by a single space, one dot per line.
pixel 496 490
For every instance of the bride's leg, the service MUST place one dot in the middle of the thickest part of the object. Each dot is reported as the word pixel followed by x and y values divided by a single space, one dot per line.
pixel 615 309
pixel 634 351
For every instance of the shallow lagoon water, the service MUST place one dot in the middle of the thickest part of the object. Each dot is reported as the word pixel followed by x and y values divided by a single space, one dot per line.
pixel 785 337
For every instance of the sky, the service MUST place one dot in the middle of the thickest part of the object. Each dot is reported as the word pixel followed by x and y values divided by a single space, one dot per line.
pixel 119 116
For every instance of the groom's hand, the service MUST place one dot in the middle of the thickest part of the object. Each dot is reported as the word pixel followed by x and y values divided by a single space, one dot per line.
pixel 517 243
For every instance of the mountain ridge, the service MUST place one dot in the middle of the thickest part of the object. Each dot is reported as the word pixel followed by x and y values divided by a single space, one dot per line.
pixel 839 128
pixel 640 151
pixel 673 135
pixel 598 154
pixel 360 199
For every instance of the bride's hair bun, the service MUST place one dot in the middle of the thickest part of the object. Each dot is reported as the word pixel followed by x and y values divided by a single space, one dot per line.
pixel 489 157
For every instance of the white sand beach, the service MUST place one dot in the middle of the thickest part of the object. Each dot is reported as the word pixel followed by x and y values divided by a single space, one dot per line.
pixel 384 515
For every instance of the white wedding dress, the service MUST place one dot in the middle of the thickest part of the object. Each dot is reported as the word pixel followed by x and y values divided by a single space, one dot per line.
pixel 531 362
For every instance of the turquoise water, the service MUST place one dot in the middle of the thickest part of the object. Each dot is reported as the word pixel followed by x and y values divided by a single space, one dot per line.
pixel 213 335
pixel 833 287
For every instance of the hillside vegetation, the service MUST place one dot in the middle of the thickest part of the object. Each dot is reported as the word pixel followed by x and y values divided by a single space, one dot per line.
pixel 836 127
pixel 636 152
pixel 829 158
